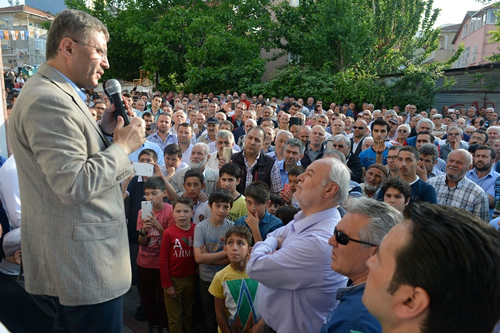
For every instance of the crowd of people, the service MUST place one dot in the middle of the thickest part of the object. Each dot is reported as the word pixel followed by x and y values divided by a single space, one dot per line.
pixel 259 215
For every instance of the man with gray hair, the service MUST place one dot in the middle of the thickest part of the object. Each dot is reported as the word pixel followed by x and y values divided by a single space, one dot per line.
pixel 223 139
pixel 15 302
pixel 343 144
pixel 315 147
pixel 454 141
pixel 293 153
pixel 279 142
pixel 299 254
pixel 200 154
pixel 493 134
pixel 424 124
pixel 429 156
pixel 454 189
pixel 355 239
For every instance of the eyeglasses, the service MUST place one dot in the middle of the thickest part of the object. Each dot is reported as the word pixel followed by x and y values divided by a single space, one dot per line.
pixel 358 127
pixel 338 146
pixel 402 131
pixel 392 157
pixel 343 239
pixel 102 52
pixel 453 134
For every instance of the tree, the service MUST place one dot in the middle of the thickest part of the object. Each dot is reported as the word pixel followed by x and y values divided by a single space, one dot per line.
pixel 349 44
pixel 204 45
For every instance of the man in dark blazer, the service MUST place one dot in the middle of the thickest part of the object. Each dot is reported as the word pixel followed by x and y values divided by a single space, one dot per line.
pixel 74 234
pixel 360 131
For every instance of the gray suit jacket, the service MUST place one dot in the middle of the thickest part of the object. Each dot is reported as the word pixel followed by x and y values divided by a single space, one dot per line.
pixel 74 235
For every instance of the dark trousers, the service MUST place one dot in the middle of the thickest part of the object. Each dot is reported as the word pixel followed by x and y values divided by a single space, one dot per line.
pixel 103 317
pixel 152 296
pixel 208 307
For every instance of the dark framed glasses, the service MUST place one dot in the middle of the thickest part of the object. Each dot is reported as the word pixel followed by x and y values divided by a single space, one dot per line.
pixel 343 239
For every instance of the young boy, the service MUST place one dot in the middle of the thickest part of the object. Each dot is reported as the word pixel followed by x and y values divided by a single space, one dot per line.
pixel 209 240
pixel 397 193
pixel 234 292
pixel 260 222
pixel 148 267
pixel 178 267
pixel 230 177
pixel 286 213
pixel 194 183
pixel 172 156
pixel 287 194
pixel 274 203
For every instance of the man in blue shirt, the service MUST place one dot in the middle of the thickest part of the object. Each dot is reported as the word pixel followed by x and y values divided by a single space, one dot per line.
pixel 408 158
pixel 377 153
pixel 355 239
pixel 483 173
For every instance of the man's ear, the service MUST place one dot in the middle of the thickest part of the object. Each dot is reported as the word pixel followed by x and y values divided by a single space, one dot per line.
pixel 414 302
pixel 66 46
pixel 332 189
pixel 17 257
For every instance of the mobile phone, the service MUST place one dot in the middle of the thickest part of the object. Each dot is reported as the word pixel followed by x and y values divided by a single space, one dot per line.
pixel 143 169
pixel 329 145
pixel 147 209
pixel 286 187
pixel 226 153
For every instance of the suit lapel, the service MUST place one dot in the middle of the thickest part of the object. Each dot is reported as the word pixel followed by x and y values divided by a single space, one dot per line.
pixel 53 75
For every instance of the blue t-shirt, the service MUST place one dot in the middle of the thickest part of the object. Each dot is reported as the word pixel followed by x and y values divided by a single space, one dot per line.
pixel 369 157
pixel 420 192
pixel 268 224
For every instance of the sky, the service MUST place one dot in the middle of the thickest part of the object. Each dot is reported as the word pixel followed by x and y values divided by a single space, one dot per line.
pixel 453 11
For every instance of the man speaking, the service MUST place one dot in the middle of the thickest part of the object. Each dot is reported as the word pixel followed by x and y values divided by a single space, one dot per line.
pixel 74 237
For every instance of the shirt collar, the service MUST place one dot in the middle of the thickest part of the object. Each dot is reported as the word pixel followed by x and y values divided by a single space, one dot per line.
pixel 302 222
pixel 78 90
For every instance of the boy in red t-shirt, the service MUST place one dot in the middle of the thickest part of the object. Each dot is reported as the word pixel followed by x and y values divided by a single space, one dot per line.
pixel 148 267
pixel 178 267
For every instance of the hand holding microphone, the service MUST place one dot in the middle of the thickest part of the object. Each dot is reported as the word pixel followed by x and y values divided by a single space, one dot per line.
pixel 114 91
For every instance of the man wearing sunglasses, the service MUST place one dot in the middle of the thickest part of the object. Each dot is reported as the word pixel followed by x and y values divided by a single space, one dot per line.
pixel 298 288
pixel 356 238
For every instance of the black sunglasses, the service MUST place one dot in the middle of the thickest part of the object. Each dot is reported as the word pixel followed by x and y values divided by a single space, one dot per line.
pixel 343 239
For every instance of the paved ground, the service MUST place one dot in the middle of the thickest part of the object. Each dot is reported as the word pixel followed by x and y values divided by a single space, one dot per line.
pixel 130 303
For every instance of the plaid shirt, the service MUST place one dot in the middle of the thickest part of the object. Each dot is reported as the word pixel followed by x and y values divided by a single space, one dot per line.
pixel 275 174
pixel 466 195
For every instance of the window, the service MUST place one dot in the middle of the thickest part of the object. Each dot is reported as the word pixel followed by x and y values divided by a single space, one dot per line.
pixel 442 43
pixel 492 16
pixel 5 44
pixel 474 55
pixel 464 30
pixel 40 44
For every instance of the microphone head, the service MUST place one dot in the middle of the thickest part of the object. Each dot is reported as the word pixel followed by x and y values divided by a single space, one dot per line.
pixel 113 87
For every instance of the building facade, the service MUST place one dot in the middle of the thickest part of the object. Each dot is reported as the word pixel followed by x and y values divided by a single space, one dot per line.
pixel 22 35
pixel 474 33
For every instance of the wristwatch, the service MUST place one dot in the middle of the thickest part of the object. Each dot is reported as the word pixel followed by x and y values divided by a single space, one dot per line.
pixel 143 234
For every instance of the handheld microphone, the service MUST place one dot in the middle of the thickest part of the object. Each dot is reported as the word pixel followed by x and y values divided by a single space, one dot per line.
pixel 114 91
